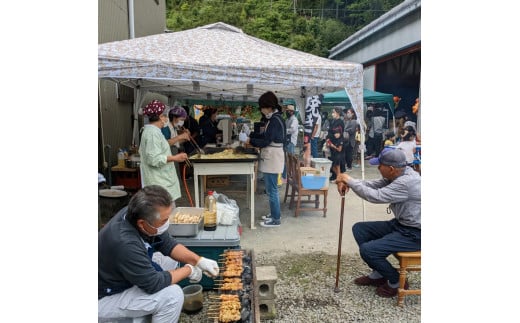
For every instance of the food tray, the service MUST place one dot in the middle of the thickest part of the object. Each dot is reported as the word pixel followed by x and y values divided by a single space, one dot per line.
pixel 252 155
pixel 187 229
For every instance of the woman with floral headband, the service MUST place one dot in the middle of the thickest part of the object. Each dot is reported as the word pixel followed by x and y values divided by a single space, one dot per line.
pixel 157 161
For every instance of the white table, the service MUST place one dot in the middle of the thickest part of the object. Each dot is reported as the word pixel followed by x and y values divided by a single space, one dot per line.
pixel 229 168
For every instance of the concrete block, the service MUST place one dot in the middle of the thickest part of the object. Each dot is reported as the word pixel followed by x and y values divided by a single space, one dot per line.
pixel 267 309
pixel 266 278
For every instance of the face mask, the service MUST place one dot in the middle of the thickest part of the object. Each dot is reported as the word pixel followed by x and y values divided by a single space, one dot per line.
pixel 288 114
pixel 349 115
pixel 269 115
pixel 180 123
pixel 162 229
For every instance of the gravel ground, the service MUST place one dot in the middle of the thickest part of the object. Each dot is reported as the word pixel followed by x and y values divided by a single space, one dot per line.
pixel 305 292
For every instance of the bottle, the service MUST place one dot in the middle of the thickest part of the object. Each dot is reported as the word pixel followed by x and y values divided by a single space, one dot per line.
pixel 120 158
pixel 210 212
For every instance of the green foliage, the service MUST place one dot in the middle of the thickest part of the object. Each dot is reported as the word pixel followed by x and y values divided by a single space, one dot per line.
pixel 312 26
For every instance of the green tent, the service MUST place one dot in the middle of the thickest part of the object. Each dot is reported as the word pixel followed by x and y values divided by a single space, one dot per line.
pixel 369 96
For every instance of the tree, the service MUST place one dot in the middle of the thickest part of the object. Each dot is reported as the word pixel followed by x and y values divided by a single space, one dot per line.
pixel 312 26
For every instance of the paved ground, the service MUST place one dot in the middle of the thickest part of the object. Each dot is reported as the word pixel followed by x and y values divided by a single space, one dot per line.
pixel 310 231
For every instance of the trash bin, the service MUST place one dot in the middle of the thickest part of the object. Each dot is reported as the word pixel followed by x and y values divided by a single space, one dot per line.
pixel 323 165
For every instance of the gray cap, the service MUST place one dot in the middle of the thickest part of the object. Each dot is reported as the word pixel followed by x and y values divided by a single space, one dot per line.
pixel 390 157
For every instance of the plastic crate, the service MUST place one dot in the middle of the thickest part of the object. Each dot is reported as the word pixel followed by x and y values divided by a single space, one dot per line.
pixel 314 182
pixel 211 245
pixel 323 165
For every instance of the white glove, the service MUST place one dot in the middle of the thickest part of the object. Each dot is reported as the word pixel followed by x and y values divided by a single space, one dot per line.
pixel 196 274
pixel 242 137
pixel 208 266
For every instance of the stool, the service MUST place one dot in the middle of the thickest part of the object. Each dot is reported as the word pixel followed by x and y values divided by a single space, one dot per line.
pixel 408 261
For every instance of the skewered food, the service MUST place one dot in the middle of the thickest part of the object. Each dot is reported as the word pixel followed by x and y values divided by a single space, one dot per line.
pixel 232 284
pixel 229 310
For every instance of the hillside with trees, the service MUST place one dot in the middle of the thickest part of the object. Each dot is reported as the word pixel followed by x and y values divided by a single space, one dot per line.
pixel 312 26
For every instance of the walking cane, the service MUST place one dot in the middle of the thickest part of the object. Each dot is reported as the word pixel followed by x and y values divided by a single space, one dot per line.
pixel 336 289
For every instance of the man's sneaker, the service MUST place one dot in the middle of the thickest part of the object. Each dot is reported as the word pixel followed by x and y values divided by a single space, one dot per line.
pixel 348 169
pixel 270 223
pixel 367 281
pixel 266 217
pixel 386 291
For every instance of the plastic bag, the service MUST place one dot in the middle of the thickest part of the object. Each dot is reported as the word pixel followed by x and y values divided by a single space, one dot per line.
pixel 227 210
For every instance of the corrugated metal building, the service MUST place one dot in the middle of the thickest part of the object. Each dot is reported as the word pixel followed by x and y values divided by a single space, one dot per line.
pixel 115 117
pixel 390 50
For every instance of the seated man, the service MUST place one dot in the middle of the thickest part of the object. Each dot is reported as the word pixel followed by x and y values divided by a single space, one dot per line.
pixel 133 279
pixel 401 187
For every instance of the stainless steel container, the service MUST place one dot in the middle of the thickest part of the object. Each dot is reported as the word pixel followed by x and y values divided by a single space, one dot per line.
pixel 186 229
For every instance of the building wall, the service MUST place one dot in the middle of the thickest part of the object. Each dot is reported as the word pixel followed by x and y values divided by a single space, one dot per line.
pixel 115 116
pixel 395 37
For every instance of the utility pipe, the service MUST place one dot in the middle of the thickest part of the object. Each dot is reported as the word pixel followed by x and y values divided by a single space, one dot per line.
pixel 131 29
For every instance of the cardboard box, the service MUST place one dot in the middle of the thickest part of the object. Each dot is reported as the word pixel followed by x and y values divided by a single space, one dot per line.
pixel 309 171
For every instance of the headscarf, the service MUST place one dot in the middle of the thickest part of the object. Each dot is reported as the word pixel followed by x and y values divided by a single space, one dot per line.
pixel 155 107
pixel 177 112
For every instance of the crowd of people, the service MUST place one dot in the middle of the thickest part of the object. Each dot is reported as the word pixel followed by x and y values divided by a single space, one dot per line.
pixel 140 263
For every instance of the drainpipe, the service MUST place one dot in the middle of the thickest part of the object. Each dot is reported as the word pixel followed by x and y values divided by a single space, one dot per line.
pixel 131 30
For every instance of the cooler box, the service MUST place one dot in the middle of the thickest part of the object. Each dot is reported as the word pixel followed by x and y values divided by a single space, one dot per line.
pixel 323 165
pixel 211 245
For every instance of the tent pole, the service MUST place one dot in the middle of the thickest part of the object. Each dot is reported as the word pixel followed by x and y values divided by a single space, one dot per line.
pixel 360 114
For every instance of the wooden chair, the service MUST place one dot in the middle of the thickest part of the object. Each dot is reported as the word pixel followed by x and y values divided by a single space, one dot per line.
pixel 299 192
pixel 408 261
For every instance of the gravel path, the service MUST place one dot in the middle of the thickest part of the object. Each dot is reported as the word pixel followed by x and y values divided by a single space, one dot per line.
pixel 305 292
pixel 304 252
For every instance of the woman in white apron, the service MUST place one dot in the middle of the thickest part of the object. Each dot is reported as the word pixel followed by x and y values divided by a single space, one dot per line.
pixel 270 142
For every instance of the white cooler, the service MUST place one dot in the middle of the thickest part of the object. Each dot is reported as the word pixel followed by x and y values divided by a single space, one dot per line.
pixel 323 165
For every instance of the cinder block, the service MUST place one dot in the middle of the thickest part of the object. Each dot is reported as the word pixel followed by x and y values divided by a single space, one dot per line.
pixel 267 309
pixel 266 278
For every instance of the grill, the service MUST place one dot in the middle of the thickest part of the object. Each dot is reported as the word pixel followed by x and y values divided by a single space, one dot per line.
pixel 237 300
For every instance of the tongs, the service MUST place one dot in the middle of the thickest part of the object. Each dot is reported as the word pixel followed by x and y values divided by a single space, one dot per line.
pixel 200 151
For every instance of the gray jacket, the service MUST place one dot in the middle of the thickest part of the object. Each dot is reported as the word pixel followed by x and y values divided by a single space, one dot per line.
pixel 403 194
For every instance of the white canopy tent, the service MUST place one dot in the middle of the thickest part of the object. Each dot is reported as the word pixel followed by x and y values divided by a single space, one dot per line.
pixel 220 61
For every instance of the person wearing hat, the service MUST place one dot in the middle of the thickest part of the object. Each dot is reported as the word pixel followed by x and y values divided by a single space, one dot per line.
pixel 172 132
pixel 401 188
pixel 291 124
pixel 157 161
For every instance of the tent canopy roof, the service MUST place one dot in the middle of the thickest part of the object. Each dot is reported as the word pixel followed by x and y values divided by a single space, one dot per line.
pixel 220 61
pixel 340 97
